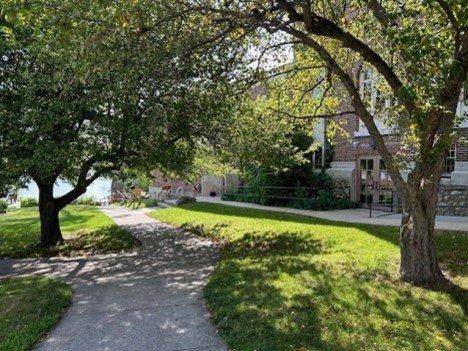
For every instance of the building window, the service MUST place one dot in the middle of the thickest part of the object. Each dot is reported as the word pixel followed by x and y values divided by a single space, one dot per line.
pixel 385 181
pixel 385 185
pixel 367 180
pixel 383 172
pixel 365 90
pixel 376 101
pixel 449 162
pixel 317 158
pixel 462 108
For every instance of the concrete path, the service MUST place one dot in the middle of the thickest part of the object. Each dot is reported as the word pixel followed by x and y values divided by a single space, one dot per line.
pixel 150 299
pixel 357 215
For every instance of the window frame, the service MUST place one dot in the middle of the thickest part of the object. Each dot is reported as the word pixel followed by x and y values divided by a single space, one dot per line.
pixel 462 107
pixel 367 75
pixel 448 172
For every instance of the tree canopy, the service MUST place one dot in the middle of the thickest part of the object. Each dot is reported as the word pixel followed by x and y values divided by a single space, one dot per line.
pixel 87 87
pixel 417 54
pixel 90 87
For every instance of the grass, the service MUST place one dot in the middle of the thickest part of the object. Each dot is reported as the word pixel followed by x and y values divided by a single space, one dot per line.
pixel 86 230
pixel 293 283
pixel 29 307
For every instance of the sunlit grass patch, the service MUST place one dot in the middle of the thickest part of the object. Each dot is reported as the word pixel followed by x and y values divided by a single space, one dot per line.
pixel 287 282
pixel 29 308
pixel 85 229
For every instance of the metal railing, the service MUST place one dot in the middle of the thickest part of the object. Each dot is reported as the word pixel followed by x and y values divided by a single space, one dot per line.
pixel 284 196
pixel 174 193
pixel 388 201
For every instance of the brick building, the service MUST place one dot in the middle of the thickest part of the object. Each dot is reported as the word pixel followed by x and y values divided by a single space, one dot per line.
pixel 206 185
pixel 164 182
pixel 357 162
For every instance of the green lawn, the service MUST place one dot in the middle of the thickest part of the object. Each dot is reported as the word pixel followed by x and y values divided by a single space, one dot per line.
pixel 287 282
pixel 29 308
pixel 85 228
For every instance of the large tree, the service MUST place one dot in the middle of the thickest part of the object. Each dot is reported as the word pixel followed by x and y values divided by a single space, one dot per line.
pixel 418 51
pixel 88 88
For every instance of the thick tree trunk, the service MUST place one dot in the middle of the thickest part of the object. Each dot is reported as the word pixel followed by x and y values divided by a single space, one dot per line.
pixel 49 214
pixel 418 252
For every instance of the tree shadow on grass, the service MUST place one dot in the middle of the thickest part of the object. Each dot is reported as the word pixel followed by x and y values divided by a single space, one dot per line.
pixel 275 290
pixel 104 240
pixel 452 247
pixel 81 226
pixel 253 313
pixel 289 299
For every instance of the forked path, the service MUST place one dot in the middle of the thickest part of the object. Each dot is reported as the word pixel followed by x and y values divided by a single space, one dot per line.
pixel 150 299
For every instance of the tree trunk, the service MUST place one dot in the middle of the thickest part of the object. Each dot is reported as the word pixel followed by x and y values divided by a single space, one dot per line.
pixel 49 214
pixel 418 252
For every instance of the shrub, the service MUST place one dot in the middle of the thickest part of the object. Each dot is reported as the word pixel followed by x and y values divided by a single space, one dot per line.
pixel 185 199
pixel 87 201
pixel 229 197
pixel 28 202
pixel 323 199
pixel 150 202
pixel 322 180
pixel 298 187
pixel 3 206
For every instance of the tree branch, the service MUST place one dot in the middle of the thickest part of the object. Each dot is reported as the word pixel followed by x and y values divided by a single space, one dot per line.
pixel 255 79
pixel 380 14
pixel 329 115
pixel 358 104
pixel 324 27
pixel 453 21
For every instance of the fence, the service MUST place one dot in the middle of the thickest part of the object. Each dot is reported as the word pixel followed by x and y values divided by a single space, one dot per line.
pixel 299 197
pixel 172 193
pixel 337 197
pixel 388 201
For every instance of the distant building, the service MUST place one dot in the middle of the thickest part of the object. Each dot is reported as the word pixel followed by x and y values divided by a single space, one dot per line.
pixel 207 185
pixel 162 182
pixel 357 162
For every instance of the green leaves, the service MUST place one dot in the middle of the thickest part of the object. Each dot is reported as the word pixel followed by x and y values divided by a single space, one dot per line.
pixel 89 87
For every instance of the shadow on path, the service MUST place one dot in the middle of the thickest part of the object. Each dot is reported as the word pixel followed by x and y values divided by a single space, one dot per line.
pixel 148 299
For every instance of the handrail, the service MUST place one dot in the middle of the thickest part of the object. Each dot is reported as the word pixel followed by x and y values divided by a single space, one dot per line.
pixel 285 187
pixel 283 193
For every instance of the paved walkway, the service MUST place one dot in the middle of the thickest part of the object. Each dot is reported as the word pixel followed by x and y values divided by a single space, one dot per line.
pixel 149 299
pixel 357 215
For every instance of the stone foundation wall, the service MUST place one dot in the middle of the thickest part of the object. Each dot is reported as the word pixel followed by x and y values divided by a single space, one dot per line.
pixel 453 200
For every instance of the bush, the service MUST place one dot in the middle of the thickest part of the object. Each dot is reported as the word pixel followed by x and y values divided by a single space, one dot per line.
pixel 150 202
pixel 322 180
pixel 298 187
pixel 87 201
pixel 185 199
pixel 28 202
pixel 3 206
pixel 301 198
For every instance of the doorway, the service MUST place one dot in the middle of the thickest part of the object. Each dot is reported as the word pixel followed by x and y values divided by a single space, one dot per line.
pixel 375 185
